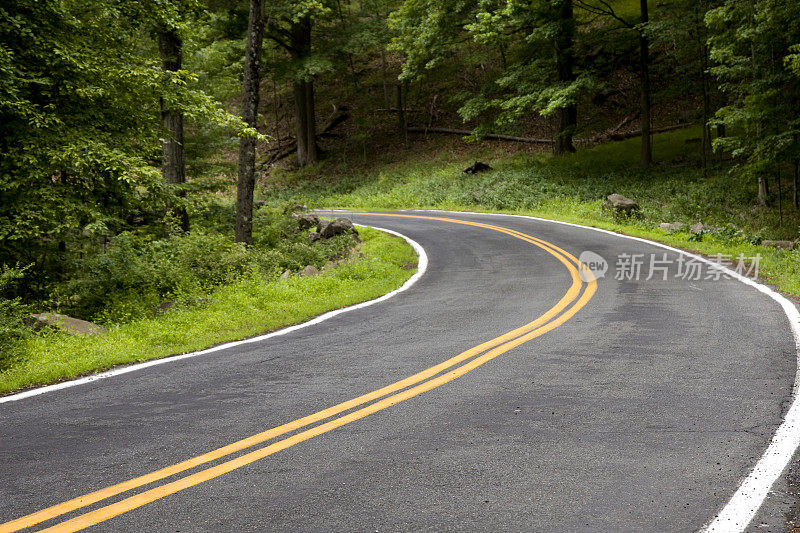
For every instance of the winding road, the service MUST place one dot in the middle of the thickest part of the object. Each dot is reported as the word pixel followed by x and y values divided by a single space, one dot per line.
pixel 507 389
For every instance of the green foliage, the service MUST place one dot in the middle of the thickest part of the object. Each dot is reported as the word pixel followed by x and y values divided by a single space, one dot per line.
pixel 237 311
pixel 13 317
pixel 137 273
pixel 80 85
pixel 753 45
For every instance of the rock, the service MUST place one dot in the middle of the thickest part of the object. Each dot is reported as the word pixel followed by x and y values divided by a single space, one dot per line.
pixel 163 307
pixel 785 245
pixel 314 236
pixel 332 228
pixel 330 265
pixel 621 205
pixel 67 324
pixel 309 271
pixel 305 220
pixel 286 274
pixel 672 227
pixel 477 167
pixel 296 208
pixel 700 228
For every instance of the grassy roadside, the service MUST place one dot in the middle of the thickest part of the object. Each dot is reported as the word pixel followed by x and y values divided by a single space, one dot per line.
pixel 572 189
pixel 234 312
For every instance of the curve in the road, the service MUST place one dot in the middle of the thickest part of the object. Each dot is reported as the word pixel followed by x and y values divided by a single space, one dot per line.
pixel 576 297
pixel 740 510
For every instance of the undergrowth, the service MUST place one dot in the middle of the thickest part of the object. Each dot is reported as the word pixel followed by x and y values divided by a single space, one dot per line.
pixel 255 304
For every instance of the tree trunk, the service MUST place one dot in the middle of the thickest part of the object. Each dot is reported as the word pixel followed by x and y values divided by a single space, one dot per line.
pixel 305 123
pixel 762 190
pixel 173 157
pixel 780 199
pixel 795 177
pixel 312 155
pixel 567 116
pixel 644 66
pixel 247 145
pixel 386 102
pixel 401 114
pixel 704 86
pixel 301 121
pixel 305 116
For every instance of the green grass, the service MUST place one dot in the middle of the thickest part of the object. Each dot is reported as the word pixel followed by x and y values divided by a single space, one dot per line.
pixel 572 189
pixel 234 312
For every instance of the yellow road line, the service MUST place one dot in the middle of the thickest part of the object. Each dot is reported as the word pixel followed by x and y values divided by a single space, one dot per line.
pixel 133 502
pixel 94 497
pixel 210 473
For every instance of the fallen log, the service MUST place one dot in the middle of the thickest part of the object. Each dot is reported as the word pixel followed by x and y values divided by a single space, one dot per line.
pixel 338 116
pixel 493 136
pixel 623 136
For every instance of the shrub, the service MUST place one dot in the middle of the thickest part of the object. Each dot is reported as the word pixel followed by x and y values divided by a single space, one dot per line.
pixel 13 316
pixel 137 273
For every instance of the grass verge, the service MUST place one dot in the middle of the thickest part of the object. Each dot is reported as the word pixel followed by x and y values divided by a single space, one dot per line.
pixel 572 189
pixel 234 312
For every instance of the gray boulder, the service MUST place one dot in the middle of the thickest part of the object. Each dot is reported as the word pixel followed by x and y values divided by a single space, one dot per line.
pixel 309 271
pixel 305 220
pixel 672 226
pixel 621 205
pixel 67 324
pixel 332 228
pixel 785 245
pixel 700 228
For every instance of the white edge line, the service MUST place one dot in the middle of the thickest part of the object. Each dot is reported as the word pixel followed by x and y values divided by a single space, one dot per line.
pixel 740 510
pixel 735 516
pixel 422 266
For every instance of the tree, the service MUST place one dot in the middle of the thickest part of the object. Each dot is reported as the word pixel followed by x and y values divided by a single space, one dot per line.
pixel 80 85
pixel 568 114
pixel 535 42
pixel 306 117
pixel 247 144
pixel 289 26
pixel 753 48
pixel 606 9
pixel 644 73
pixel 173 158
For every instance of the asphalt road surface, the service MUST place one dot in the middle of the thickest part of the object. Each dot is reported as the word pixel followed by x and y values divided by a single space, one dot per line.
pixel 615 405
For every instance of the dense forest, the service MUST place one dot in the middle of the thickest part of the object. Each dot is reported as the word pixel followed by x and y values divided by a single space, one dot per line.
pixel 139 139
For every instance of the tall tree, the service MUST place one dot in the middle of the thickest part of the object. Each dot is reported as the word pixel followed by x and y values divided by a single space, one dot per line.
pixel 173 154
pixel 247 144
pixel 292 25
pixel 568 114
pixel 303 88
pixel 605 8
pixel 536 71
pixel 644 73
pixel 753 47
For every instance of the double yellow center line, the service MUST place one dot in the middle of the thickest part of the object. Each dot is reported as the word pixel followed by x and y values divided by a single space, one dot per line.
pixel 397 392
